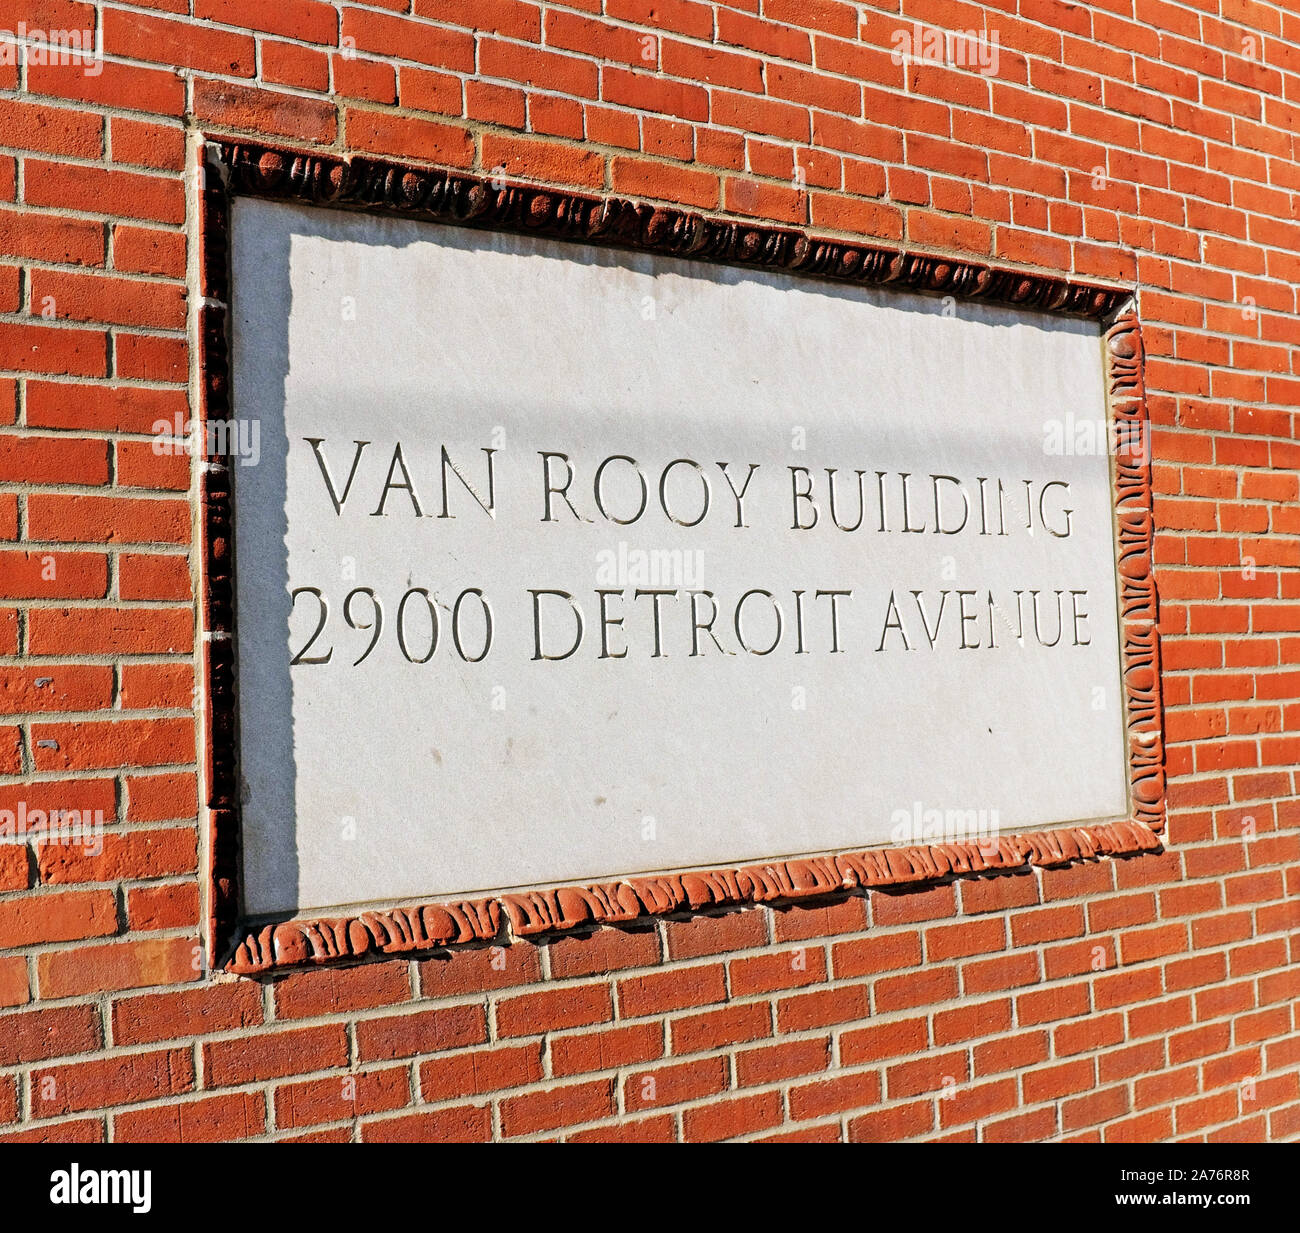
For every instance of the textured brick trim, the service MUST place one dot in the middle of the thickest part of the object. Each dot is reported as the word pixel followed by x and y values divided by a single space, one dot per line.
pixel 237 167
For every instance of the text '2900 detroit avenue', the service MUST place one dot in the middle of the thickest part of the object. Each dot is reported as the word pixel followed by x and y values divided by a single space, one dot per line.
pixel 693 620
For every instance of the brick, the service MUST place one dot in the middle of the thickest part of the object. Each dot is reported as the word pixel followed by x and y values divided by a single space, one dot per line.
pixel 894 1124
pixel 1053 1082
pixel 409 137
pixel 997 894
pixel 1096 1107
pixel 51 130
pixel 256 1058
pixel 558 117
pixel 11 749
pixel 1121 912
pixel 800 921
pixel 175 906
pixel 908 905
pixel 648 93
pixel 445 94
pixel 964 938
pixel 121 965
pixel 289 64
pixel 48 1032
pixel 156 576
pixel 427 1031
pixel 850 1091
pixel 1047 925
pixel 133 631
pixel 554 1008
pixel 53 575
pixel 210 1119
pixel 340 1097
pixel 103 407
pixel 729 1119
pixel 976 1103
pixel 1125 988
pixel 768 38
pixel 54 349
pixel 472 971
pixel 271 113
pixel 934 984
pixel 973 1021
pixel 542 160
pixel 15 988
pixel 67 688
pixel 1036 1126
pixel 115 85
pixel 309 20
pixel 122 857
pixel 480 1071
pixel 401 38
pixel 901 1038
pixel 821 1008
pixel 674 1084
pixel 53 238
pixel 779 1062
pixel 786 969
pixel 107 520
pixel 1010 1053
pixel 119 1080
pixel 127 742
pixel 1091 1034
pixel 156 685
pixel 310 994
pixel 148 143
pixel 462 1124
pixel 715 935
pixel 673 989
pixel 117 301
pixel 60 916
pixel 867 956
pixel 161 797
pixel 75 1130
pixel 557 1107
pixel 716 1029
pixel 29 801
pixel 607 1048
pixel 1048 1005
pixel 927 1074
pixel 640 1130
pixel 148 1018
pixel 185 44
pixel 605 950
pixel 148 250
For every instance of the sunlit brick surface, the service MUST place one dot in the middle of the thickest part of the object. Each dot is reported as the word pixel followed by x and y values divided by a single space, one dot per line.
pixel 1144 142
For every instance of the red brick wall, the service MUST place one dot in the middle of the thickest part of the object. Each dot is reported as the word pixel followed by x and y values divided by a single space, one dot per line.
pixel 1148 141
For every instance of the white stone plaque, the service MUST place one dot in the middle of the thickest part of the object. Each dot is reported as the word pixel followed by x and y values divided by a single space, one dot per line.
pixel 560 563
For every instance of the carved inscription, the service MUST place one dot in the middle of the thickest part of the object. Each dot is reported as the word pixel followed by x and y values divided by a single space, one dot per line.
pixel 559 564
pixel 611 622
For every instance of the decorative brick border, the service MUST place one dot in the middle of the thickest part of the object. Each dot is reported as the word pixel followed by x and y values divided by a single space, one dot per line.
pixel 227 168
